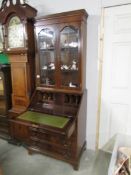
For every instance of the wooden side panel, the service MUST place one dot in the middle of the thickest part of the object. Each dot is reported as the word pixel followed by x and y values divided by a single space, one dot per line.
pixel 81 123
pixel 22 74
pixel 19 131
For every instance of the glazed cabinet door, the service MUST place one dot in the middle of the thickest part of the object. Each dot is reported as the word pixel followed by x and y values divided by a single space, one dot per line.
pixel 59 62
pixel 69 57
pixel 46 43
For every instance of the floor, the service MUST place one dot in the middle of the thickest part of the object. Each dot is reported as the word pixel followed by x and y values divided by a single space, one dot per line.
pixel 15 160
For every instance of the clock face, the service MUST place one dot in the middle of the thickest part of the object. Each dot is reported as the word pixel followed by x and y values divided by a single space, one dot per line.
pixel 15 33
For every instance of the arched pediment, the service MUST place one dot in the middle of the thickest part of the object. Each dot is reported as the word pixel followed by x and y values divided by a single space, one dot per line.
pixel 23 10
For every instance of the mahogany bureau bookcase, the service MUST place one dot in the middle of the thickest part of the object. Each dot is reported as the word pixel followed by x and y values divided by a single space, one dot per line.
pixel 55 122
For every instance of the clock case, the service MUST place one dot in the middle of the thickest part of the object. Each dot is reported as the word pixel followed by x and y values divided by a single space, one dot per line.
pixel 22 59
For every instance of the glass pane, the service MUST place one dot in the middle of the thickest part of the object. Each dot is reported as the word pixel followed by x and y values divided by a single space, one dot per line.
pixel 1 38
pixel 46 39
pixel 69 57
pixel 15 33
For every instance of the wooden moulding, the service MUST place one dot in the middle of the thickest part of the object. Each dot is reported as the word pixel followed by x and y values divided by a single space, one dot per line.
pixel 24 11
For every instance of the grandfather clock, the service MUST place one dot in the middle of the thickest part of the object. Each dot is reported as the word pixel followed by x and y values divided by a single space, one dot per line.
pixel 17 20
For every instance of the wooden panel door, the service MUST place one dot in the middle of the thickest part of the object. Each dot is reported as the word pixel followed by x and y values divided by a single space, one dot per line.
pixel 47 63
pixel 20 84
pixel 70 61
pixel 115 116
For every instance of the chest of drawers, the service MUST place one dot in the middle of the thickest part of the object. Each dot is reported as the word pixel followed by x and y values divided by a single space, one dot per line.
pixel 58 133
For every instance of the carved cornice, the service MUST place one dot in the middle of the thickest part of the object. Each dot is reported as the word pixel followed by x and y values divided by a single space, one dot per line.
pixel 23 10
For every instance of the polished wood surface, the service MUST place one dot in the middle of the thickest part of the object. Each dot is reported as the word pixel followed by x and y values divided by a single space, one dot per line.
pixel 57 23
pixel 60 88
pixel 65 143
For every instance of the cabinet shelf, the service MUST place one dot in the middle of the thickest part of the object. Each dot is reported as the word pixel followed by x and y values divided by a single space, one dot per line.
pixel 69 48
pixel 48 101
pixel 47 50
pixel 70 88
pixel 68 71
pixel 62 70
pixel 49 70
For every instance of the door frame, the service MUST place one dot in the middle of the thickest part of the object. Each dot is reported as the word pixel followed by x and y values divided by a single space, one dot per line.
pixel 100 67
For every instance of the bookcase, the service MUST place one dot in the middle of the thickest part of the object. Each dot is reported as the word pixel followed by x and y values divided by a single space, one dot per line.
pixel 55 122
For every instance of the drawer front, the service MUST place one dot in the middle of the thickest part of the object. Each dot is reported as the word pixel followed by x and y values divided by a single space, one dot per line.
pixel 47 137
pixel 65 152
pixel 51 143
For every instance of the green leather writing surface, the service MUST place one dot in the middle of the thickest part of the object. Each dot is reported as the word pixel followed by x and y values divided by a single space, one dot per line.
pixel 46 119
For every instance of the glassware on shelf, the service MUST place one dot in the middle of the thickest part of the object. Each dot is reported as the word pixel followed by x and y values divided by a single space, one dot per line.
pixel 44 67
pixel 69 56
pixel 51 66
pixel 72 85
pixel 74 65
pixel 64 67
pixel 46 38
